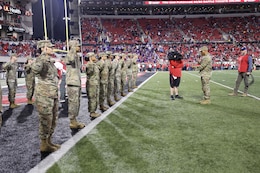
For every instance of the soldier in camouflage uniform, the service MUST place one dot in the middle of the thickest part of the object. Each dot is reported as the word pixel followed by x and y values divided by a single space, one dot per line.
pixel 130 72
pixel 205 68
pixel 46 95
pixel 134 69
pixel 117 76
pixel 123 74
pixel 104 72
pixel 29 80
pixel 111 78
pixel 92 85
pixel 11 79
pixel 73 81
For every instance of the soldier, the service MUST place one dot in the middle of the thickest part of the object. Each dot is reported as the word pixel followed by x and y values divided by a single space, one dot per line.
pixel 29 80
pixel 92 84
pixel 123 74
pixel 205 68
pixel 134 69
pixel 111 78
pixel 73 81
pixel 11 79
pixel 130 72
pixel 46 95
pixel 117 76
pixel 104 72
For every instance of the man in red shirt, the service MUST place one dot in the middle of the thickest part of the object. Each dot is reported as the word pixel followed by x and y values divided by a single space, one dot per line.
pixel 175 68
pixel 245 65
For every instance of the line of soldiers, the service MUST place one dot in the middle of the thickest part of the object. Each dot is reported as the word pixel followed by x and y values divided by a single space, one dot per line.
pixel 107 74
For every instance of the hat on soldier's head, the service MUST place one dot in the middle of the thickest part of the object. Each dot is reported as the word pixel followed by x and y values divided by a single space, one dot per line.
pixel 116 54
pixel 89 54
pixel 101 54
pixel 135 54
pixel 28 57
pixel 130 54
pixel 109 52
pixel 43 43
pixel 13 54
pixel 74 43
pixel 123 55
pixel 203 48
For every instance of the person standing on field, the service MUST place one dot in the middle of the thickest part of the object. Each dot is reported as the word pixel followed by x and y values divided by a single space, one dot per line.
pixel 11 79
pixel 46 95
pixel 245 67
pixel 29 80
pixel 73 81
pixel 205 68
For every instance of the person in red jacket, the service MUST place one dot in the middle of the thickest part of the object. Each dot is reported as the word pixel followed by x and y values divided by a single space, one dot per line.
pixel 175 68
pixel 245 65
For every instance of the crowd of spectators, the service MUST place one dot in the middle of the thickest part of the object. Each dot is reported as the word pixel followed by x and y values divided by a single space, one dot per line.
pixel 153 38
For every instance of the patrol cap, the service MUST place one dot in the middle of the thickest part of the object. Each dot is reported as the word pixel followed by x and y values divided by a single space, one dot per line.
pixel 123 54
pixel 42 43
pixel 130 54
pixel 89 54
pixel 101 54
pixel 74 43
pixel 203 48
pixel 13 54
pixel 135 54
pixel 116 54
pixel 109 52
pixel 243 48
pixel 28 57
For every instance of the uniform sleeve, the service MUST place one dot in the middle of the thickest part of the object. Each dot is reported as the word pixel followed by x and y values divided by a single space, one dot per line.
pixel 90 68
pixel 7 65
pixel 37 66
pixel 204 62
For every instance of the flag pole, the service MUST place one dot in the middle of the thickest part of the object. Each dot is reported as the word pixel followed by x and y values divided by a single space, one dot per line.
pixel 66 24
pixel 44 20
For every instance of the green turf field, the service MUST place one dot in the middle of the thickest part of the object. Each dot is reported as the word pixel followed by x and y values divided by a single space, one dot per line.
pixel 149 133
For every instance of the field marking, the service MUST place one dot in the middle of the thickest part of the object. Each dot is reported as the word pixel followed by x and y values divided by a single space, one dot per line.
pixel 225 86
pixel 49 161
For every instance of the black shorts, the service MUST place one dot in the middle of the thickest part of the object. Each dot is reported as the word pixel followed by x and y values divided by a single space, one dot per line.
pixel 174 82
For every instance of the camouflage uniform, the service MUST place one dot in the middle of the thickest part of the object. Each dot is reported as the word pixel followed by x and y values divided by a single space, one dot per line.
pixel 111 80
pixel 73 81
pixel 123 74
pixel 104 72
pixel 29 80
pixel 130 73
pixel 11 80
pixel 205 68
pixel 92 86
pixel 134 69
pixel 46 95
pixel 117 77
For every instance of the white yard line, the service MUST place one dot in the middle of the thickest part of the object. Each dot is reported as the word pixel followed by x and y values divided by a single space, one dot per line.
pixel 225 86
pixel 49 161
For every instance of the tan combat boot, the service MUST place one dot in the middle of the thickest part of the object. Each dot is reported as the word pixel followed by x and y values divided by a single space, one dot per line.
pixel 46 147
pixel 57 146
pixel 232 94
pixel 94 115
pixel 205 102
pixel 30 102
pixel 110 103
pixel 123 94
pixel 103 108
pixel 76 125
pixel 117 98
pixel 130 90
pixel 13 105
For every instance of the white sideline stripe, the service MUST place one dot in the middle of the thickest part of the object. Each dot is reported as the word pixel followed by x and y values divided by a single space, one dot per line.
pixel 255 97
pixel 49 161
